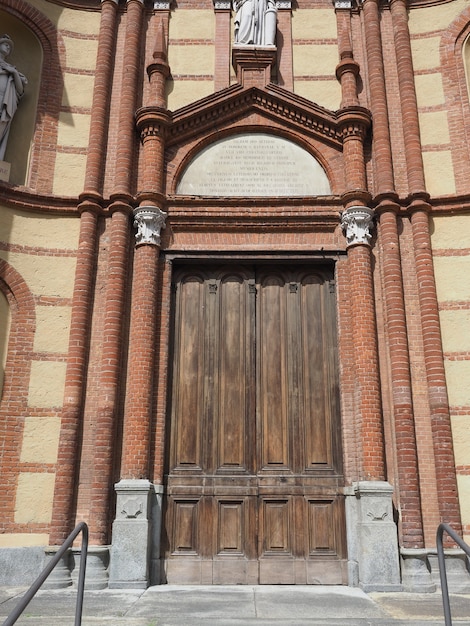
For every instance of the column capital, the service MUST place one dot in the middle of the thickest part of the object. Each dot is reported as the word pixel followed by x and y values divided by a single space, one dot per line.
pixel 357 223
pixel 148 220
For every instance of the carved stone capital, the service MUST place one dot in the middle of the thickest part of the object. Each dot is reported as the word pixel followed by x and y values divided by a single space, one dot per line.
pixel 283 5
pixel 357 223
pixel 343 4
pixel 161 5
pixel 148 220
pixel 222 5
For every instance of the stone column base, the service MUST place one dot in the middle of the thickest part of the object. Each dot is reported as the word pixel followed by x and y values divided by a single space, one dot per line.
pixel 457 568
pixel 96 576
pixel 416 571
pixel 60 577
pixel 372 537
pixel 130 550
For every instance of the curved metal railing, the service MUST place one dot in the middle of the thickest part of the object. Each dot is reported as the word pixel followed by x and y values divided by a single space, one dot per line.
pixel 29 595
pixel 442 528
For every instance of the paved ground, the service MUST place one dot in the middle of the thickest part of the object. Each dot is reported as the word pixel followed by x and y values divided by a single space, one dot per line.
pixel 171 605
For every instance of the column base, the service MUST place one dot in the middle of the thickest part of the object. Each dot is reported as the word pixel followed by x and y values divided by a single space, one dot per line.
pixel 60 577
pixel 457 568
pixel 130 550
pixel 372 537
pixel 97 562
pixel 416 571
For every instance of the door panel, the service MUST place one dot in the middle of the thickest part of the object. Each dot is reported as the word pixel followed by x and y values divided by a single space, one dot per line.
pixel 254 469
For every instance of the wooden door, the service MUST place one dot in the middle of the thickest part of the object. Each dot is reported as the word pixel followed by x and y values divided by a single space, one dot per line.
pixel 254 482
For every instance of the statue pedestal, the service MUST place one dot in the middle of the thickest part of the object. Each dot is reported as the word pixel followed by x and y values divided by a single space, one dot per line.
pixel 253 64
pixel 5 171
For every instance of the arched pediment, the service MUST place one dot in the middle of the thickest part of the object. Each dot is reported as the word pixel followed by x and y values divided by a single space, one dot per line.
pixel 272 102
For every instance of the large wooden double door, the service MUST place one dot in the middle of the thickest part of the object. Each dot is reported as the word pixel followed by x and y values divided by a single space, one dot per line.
pixel 254 479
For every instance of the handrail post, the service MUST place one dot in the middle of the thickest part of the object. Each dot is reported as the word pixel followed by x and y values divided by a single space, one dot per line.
pixel 442 565
pixel 443 574
pixel 37 584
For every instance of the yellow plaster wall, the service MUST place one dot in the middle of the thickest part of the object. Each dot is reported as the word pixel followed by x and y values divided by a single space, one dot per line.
pixel 453 289
pixel 78 90
pixel 52 329
pixel 192 60
pixel 45 276
pixel 450 232
pixel 429 19
pixel 315 60
pixel 80 53
pixel 192 24
pixel 39 230
pixel 40 440
pixel 184 92
pixel 23 540
pixel 327 93
pixel 312 56
pixel 46 384
pixel 449 272
pixel 69 174
pixel 425 52
pixel 34 497
pixel 434 128
pixel 314 24
pixel 439 173
pixel 78 21
pixel 73 130
pixel 429 89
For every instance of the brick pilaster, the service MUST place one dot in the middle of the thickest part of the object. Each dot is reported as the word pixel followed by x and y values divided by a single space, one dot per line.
pixel 63 516
pixel 419 208
pixel 409 500
pixel 222 9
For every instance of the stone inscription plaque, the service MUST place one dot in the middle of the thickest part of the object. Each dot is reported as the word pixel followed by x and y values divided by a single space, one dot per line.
pixel 255 164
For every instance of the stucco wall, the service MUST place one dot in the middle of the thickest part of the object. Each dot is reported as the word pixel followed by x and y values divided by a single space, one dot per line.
pixel 451 251
pixel 41 249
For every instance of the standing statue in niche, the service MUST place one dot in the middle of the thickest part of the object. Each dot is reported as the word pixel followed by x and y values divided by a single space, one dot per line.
pixel 11 89
pixel 255 22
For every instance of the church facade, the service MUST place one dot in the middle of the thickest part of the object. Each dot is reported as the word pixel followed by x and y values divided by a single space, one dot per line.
pixel 234 293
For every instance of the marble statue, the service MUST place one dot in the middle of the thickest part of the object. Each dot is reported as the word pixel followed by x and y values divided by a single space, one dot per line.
pixel 11 89
pixel 255 22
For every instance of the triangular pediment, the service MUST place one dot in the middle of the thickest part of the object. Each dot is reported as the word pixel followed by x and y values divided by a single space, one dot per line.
pixel 274 103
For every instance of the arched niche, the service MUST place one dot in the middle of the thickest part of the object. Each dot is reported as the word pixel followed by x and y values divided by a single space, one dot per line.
pixel 27 57
pixel 254 165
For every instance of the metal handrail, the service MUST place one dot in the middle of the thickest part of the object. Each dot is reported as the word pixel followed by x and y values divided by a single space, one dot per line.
pixel 29 595
pixel 442 565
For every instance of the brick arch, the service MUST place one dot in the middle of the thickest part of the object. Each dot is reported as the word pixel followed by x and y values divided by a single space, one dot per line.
pixel 455 84
pixel 14 400
pixel 50 92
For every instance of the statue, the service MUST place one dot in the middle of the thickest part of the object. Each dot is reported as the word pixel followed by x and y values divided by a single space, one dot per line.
pixel 11 89
pixel 255 22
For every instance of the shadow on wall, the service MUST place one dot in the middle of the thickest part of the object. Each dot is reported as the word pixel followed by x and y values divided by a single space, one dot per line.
pixel 27 57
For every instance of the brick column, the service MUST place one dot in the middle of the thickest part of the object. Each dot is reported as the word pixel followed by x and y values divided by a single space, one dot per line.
pixel 285 69
pixel 63 518
pixel 419 208
pixel 135 530
pixel 356 221
pixel 223 38
pixel 372 537
pixel 408 499
pixel 111 357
